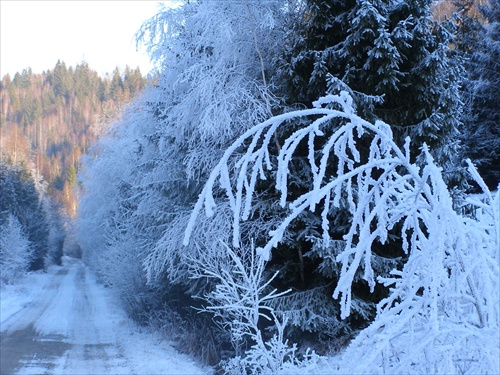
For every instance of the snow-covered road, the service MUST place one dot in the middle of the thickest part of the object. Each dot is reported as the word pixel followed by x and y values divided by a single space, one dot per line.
pixel 71 325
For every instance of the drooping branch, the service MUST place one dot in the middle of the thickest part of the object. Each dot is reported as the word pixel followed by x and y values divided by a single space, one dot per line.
pixel 382 190
pixel 251 165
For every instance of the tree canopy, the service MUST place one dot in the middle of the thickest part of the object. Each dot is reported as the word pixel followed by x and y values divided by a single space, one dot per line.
pixel 296 174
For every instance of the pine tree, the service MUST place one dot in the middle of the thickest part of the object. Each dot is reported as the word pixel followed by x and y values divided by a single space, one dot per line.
pixel 116 88
pixel 60 80
pixel 394 61
pixel 469 27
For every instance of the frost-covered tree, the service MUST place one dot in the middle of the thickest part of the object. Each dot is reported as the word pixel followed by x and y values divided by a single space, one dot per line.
pixel 443 300
pixel 482 130
pixel 209 93
pixel 240 301
pixel 393 57
pixel 442 315
pixel 19 197
pixel 395 62
pixel 16 252
pixel 146 174
pixel 120 216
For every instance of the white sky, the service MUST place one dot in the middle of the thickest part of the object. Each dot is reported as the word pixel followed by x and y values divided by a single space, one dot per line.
pixel 37 33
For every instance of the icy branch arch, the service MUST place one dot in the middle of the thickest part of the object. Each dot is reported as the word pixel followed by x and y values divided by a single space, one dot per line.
pixel 385 190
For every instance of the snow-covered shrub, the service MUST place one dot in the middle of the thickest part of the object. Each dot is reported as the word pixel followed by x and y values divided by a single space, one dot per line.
pixel 120 268
pixel 442 313
pixel 239 302
pixel 185 331
pixel 16 252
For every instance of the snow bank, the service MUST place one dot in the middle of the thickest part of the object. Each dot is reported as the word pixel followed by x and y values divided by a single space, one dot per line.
pixel 13 298
pixel 69 309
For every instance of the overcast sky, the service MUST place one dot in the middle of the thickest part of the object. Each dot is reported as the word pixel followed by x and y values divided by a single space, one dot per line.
pixel 37 33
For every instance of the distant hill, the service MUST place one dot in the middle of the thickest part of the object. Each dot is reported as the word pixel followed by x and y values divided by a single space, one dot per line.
pixel 50 119
pixel 443 9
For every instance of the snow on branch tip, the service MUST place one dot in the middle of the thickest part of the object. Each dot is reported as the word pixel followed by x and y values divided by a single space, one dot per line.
pixel 333 119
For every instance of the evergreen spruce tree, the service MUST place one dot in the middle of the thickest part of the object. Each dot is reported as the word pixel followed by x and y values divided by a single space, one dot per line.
pixel 469 27
pixel 482 128
pixel 394 60
pixel 391 55
pixel 19 197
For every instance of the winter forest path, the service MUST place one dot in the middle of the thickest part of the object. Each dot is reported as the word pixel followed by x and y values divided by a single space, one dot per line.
pixel 73 327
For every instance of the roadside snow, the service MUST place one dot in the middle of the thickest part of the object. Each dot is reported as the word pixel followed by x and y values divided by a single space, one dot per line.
pixel 67 323
pixel 13 298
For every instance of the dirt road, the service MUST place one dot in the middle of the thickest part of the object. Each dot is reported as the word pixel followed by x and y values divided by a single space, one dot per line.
pixel 73 327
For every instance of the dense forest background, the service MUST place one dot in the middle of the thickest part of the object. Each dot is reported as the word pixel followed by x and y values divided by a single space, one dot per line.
pixel 50 119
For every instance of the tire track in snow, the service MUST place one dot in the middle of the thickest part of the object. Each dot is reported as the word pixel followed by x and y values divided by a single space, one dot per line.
pixel 93 346
pixel 20 343
pixel 74 327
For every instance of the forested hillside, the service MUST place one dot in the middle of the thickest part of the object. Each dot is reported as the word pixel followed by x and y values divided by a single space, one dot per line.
pixel 50 119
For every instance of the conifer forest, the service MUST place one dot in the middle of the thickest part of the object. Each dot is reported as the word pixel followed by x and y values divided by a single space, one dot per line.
pixel 302 186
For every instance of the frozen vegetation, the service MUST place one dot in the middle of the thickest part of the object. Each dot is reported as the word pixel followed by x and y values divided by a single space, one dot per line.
pixel 442 312
pixel 288 199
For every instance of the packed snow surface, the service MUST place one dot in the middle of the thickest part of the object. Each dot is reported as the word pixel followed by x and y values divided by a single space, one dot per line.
pixel 64 322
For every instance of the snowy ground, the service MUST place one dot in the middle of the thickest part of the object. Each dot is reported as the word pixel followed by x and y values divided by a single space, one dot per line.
pixel 63 322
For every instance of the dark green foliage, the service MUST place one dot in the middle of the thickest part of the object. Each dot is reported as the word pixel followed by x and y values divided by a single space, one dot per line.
pixel 60 80
pixel 469 29
pixel 116 84
pixel 394 60
pixel 57 234
pixel 392 57
pixel 19 197
pixel 482 127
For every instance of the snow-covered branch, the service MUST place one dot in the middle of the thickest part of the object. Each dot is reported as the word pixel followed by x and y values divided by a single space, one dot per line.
pixel 377 192
pixel 452 266
pixel 239 300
